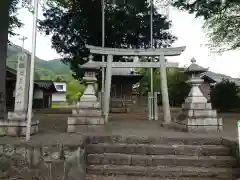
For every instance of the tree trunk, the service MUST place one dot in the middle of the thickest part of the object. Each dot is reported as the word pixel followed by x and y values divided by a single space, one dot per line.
pixel 4 14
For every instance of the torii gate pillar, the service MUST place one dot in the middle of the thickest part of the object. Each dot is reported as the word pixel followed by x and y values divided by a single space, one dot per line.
pixel 107 92
pixel 164 90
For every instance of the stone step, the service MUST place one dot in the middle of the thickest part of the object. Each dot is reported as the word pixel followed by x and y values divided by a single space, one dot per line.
pixel 124 177
pixel 150 149
pixel 161 160
pixel 164 171
pixel 188 140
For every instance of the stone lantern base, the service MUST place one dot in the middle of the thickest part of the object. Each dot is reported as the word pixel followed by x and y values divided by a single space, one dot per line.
pixel 86 116
pixel 198 117
pixel 85 120
pixel 16 125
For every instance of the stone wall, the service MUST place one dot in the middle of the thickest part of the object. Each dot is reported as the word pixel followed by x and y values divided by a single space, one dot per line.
pixel 42 162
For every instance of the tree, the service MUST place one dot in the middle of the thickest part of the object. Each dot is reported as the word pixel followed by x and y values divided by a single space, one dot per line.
pixel 14 22
pixel 224 96
pixel 4 13
pixel 74 90
pixel 222 21
pixel 78 23
pixel 178 89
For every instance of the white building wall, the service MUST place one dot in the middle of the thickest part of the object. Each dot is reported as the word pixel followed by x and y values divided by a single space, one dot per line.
pixel 59 97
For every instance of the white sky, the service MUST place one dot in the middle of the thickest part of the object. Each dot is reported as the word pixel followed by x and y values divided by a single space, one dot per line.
pixel 188 30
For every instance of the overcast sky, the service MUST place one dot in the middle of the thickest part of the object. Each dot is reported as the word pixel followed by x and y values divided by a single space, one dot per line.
pixel 188 30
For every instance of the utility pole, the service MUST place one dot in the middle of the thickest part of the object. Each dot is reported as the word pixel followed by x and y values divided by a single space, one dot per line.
pixel 23 39
pixel 30 97
pixel 151 70
pixel 103 58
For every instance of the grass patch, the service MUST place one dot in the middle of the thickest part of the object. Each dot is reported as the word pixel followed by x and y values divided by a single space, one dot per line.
pixel 59 105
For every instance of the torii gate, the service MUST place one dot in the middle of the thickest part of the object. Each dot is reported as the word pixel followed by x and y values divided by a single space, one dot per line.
pixel 161 52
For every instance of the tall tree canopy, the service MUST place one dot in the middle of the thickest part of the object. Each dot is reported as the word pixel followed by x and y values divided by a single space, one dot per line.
pixel 222 21
pixel 14 22
pixel 79 22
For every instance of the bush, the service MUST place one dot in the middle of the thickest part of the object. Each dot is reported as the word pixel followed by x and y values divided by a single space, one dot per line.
pixel 178 89
pixel 224 96
pixel 178 93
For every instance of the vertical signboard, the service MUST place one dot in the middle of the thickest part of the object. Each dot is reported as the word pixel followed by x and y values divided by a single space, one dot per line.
pixel 22 83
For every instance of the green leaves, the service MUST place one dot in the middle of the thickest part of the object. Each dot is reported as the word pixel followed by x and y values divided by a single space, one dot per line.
pixel 224 29
pixel 178 89
pixel 74 90
pixel 80 23
pixel 225 96
pixel 14 22
pixel 222 21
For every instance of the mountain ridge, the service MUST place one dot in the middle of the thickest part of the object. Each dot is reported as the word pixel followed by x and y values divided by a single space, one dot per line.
pixel 47 70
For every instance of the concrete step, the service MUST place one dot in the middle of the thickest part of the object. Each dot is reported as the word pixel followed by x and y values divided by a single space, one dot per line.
pixel 124 177
pixel 187 140
pixel 161 160
pixel 150 149
pixel 164 171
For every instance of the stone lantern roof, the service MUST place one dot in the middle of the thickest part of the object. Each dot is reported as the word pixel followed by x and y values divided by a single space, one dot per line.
pixel 195 68
pixel 91 65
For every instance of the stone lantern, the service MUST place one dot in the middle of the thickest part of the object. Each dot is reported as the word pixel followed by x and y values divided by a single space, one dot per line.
pixel 197 114
pixel 194 71
pixel 87 113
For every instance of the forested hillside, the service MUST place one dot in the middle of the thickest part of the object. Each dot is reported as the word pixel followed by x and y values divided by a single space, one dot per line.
pixel 46 70
pixel 54 70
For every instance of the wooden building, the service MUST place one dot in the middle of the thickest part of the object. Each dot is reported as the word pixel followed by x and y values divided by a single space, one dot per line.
pixel 42 95
pixel 122 92
pixel 123 80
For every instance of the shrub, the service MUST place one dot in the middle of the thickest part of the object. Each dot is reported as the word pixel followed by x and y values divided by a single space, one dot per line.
pixel 224 96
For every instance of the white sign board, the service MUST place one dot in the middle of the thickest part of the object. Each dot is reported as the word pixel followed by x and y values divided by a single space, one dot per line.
pixel 22 82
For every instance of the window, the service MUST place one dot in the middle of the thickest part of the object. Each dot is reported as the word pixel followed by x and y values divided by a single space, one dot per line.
pixel 59 87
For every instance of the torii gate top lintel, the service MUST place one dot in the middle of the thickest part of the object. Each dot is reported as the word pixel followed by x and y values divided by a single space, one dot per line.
pixel 172 51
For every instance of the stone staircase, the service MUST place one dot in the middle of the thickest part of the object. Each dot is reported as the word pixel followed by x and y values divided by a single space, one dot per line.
pixel 180 158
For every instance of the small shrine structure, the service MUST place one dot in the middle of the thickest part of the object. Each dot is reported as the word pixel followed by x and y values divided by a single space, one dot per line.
pixel 197 114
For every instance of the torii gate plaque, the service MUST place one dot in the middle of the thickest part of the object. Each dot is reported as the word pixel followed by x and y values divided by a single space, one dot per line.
pixel 161 52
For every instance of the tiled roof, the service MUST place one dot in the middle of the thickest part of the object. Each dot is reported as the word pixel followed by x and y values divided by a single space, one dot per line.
pixel 45 84
pixel 217 77
pixel 49 85
pixel 12 71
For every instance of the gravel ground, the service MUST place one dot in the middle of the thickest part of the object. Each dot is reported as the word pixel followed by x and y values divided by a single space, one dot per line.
pixel 53 128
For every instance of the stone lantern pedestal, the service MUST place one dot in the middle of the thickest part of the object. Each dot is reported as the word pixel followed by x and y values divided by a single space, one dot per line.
pixel 87 113
pixel 197 114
